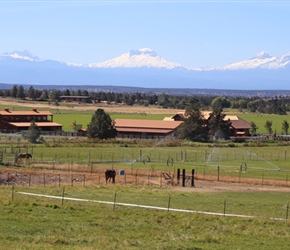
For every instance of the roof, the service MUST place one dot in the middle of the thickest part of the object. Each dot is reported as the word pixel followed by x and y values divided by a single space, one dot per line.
pixel 168 119
pixel 231 117
pixel 144 130
pixel 8 112
pixel 240 124
pixel 75 96
pixel 38 124
pixel 147 124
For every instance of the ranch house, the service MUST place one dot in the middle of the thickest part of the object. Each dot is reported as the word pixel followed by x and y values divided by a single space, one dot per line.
pixel 239 127
pixel 150 129
pixel 16 121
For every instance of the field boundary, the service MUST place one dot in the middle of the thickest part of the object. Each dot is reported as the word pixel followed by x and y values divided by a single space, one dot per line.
pixel 147 207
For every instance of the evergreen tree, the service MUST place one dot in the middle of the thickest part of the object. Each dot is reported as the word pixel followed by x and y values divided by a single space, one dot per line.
pixel 285 127
pixel 268 127
pixel 33 133
pixel 20 92
pixel 217 125
pixel 14 91
pixel 31 93
pixel 101 126
pixel 193 128
pixel 253 129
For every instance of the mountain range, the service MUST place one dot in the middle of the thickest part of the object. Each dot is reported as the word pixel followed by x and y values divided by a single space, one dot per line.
pixel 145 68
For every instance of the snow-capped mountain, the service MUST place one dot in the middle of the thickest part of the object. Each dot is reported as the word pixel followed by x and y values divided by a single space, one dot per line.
pixel 144 57
pixel 262 60
pixel 25 55
pixel 145 68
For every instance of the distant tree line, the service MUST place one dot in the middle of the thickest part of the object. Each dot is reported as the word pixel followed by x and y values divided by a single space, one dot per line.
pixel 278 105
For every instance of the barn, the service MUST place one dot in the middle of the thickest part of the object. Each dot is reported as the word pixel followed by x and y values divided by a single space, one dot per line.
pixel 12 121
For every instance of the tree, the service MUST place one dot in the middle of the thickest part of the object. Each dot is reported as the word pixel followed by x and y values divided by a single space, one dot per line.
pixel 285 127
pixel 20 92
pixel 101 126
pixel 217 125
pixel 31 93
pixel 220 102
pixel 194 127
pixel 268 127
pixel 33 133
pixel 253 129
pixel 14 91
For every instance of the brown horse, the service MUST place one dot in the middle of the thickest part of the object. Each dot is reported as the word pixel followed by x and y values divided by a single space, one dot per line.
pixel 110 175
pixel 24 156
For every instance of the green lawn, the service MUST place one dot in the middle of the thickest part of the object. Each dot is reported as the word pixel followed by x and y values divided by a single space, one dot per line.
pixel 30 222
pixel 260 120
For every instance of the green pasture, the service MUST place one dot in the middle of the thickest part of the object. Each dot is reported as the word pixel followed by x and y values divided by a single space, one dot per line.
pixel 30 222
pixel 260 120
pixel 238 160
pixel 66 117
pixel 84 119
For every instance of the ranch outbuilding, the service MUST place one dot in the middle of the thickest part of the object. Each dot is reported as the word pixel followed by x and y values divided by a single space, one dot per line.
pixel 16 121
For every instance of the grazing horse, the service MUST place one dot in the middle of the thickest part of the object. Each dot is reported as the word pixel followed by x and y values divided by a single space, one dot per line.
pixel 110 175
pixel 24 156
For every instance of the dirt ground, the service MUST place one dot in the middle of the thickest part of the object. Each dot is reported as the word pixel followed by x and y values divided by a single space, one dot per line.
pixel 108 108
pixel 215 186
pixel 42 177
pixel 202 186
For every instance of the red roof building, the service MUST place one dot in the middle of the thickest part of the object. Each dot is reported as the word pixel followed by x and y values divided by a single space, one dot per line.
pixel 14 121
pixel 145 128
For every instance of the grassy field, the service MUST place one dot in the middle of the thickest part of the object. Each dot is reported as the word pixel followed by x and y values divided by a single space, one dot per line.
pixel 30 222
pixel 263 161
pixel 67 113
pixel 260 120
pixel 84 118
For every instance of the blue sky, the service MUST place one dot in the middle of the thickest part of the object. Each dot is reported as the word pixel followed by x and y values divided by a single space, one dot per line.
pixel 191 33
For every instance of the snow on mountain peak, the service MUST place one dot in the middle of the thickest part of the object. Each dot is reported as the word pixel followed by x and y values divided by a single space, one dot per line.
pixel 260 60
pixel 25 55
pixel 261 55
pixel 144 57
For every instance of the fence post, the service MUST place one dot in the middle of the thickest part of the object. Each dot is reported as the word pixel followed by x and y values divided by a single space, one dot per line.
pixel 62 200
pixel 84 179
pixel 192 178
pixel 136 178
pixel 12 194
pixel 183 177
pixel 218 177
pixel 178 175
pixel 225 204
pixel 169 199
pixel 287 210
pixel 115 197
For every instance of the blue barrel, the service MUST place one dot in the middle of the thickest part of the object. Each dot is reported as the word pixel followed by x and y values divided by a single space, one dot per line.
pixel 121 172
